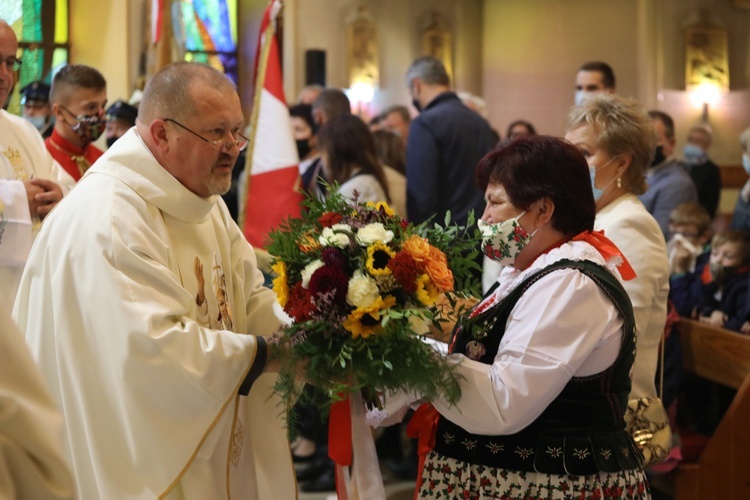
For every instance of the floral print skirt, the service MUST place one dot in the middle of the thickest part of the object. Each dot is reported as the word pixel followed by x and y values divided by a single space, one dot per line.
pixel 447 478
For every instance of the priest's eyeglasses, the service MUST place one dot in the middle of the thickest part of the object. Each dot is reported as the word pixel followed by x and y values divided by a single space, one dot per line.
pixel 12 63
pixel 219 145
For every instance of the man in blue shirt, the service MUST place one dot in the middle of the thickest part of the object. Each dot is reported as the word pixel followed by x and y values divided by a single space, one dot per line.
pixel 669 184
pixel 446 141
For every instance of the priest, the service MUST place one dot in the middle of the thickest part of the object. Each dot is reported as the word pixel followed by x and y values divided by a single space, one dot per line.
pixel 31 182
pixel 144 307
pixel 32 463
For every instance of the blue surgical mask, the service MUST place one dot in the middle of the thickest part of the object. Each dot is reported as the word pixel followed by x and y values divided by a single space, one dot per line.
pixel 592 172
pixel 746 162
pixel 581 96
pixel 597 192
pixel 694 155
pixel 40 122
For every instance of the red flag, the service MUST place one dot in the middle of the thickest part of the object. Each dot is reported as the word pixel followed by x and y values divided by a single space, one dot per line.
pixel 272 161
pixel 157 7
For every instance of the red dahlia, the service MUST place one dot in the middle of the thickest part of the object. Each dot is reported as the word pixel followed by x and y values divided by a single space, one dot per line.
pixel 404 269
pixel 327 279
pixel 335 258
pixel 299 306
pixel 328 219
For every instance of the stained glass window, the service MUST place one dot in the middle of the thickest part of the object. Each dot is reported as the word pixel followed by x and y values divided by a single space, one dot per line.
pixel 41 27
pixel 210 33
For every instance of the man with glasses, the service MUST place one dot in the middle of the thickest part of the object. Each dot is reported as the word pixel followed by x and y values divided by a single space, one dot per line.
pixel 146 310
pixel 31 182
pixel 79 100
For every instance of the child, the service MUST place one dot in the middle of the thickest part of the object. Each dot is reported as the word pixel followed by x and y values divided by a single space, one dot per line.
pixel 690 230
pixel 723 302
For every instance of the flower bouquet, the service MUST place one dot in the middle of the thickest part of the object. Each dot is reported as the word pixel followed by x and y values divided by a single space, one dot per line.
pixel 361 285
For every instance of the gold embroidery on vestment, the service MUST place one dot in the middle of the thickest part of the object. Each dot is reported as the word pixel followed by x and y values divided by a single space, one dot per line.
pixel 14 158
pixel 238 438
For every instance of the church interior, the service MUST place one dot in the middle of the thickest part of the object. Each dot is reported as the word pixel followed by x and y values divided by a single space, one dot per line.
pixel 520 57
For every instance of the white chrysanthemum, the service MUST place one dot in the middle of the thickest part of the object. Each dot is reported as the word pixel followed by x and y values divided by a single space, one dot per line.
pixel 363 290
pixel 334 237
pixel 309 270
pixel 373 233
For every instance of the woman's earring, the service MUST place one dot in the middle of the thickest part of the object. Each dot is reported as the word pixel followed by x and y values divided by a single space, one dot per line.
pixel 619 182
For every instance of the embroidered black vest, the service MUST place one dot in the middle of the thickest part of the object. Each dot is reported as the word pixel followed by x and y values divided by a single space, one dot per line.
pixel 582 431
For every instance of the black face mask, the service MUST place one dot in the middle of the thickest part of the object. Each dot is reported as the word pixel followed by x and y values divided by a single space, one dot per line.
pixel 658 156
pixel 416 104
pixel 721 273
pixel 110 141
pixel 303 147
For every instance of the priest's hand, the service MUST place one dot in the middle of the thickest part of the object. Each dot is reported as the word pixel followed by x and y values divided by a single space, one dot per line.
pixel 31 191
pixel 275 354
pixel 273 358
pixel 50 195
pixel 198 269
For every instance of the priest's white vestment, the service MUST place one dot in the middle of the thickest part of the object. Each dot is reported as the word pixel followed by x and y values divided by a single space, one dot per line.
pixel 23 156
pixel 32 462
pixel 137 302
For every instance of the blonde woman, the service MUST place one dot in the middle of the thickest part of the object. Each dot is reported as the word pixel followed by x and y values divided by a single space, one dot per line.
pixel 617 138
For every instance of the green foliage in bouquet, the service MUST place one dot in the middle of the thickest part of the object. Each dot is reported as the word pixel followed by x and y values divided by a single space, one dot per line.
pixel 361 285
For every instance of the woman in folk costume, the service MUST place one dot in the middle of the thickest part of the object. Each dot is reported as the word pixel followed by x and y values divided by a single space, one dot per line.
pixel 546 356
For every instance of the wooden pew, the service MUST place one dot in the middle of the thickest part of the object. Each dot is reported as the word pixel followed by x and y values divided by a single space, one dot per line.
pixel 723 469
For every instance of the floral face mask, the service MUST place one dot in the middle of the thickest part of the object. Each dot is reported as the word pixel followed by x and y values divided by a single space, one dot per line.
pixel 503 241
pixel 88 127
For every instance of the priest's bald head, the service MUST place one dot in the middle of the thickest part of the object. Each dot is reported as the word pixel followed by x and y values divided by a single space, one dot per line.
pixel 8 60
pixel 190 119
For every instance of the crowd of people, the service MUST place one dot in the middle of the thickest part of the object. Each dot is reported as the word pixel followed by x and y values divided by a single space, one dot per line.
pixel 146 315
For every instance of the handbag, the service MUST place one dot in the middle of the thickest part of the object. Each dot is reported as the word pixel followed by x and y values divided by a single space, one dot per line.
pixel 647 422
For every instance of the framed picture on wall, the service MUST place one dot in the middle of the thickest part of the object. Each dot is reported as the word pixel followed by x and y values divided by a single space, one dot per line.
pixel 706 57
pixel 437 41
pixel 362 49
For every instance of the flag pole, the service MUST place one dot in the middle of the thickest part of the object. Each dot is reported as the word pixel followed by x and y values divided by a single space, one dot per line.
pixel 260 80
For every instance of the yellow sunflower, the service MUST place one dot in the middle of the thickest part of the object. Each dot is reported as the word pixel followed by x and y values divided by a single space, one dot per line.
pixel 381 205
pixel 378 255
pixel 427 292
pixel 280 284
pixel 364 321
